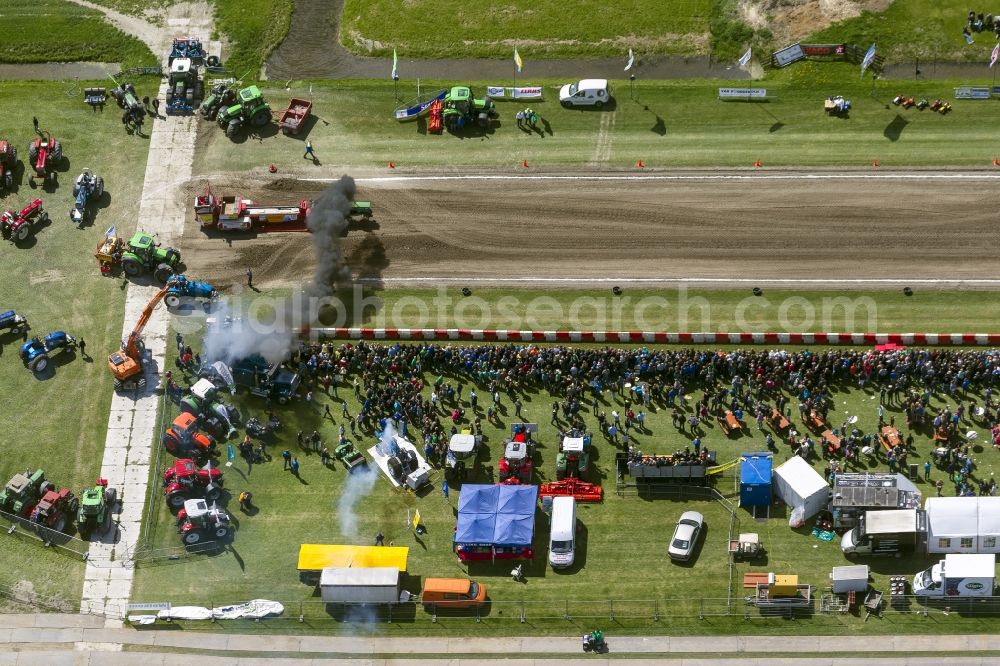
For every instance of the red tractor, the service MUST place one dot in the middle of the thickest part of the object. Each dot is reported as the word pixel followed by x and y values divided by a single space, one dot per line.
pixel 55 509
pixel 19 226
pixel 518 463
pixel 8 162
pixel 183 438
pixel 44 155
pixel 186 480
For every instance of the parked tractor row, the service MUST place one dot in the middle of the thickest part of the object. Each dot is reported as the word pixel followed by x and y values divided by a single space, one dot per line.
pixel 31 496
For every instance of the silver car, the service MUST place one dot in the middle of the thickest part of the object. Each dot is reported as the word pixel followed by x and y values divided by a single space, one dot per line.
pixel 685 535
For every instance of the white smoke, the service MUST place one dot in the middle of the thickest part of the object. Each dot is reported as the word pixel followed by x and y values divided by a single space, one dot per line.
pixel 359 485
pixel 234 335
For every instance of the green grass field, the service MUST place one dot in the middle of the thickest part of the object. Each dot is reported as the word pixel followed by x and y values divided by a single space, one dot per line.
pixel 75 33
pixel 621 553
pixel 540 29
pixel 673 309
pixel 671 124
pixel 254 28
pixel 57 421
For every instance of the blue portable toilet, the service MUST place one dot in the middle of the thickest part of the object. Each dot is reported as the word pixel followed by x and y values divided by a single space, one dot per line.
pixel 755 479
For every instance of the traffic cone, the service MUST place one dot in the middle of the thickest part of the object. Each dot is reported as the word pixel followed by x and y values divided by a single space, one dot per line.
pixel 524 163
pixel 874 163
pixel 272 168
pixel 757 163
pixel 391 165
pixel 996 162
pixel 640 165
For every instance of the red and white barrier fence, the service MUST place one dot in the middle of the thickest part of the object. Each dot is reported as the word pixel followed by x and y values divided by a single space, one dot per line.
pixel 649 337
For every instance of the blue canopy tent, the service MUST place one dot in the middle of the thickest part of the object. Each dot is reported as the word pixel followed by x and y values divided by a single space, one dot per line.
pixel 495 522
pixel 755 479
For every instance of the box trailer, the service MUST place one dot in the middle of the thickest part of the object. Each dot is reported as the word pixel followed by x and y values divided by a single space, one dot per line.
pixel 886 532
pixel 857 492
pixel 376 585
pixel 958 575
pixel 849 579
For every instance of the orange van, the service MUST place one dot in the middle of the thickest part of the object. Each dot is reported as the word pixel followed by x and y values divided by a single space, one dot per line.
pixel 452 593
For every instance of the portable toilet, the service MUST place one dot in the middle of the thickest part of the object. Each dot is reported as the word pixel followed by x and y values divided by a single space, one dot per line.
pixel 755 479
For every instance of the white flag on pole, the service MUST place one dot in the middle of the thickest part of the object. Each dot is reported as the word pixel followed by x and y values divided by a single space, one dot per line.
pixel 395 62
pixel 868 59
pixel 746 57
pixel 995 55
pixel 631 60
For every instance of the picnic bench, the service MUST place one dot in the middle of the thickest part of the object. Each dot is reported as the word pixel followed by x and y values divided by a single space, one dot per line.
pixel 815 421
pixel 890 438
pixel 729 423
pixel 778 421
pixel 832 439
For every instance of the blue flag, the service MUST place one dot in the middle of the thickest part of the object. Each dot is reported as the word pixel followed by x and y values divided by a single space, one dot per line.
pixel 867 60
pixel 230 453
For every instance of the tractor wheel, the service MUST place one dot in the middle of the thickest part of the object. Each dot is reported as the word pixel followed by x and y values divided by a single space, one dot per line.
pixel 192 537
pixel 110 499
pixel 199 91
pixel 76 189
pixel 163 273
pixel 99 188
pixel 8 179
pixel 261 118
pixel 15 330
pixel 282 400
pixel 23 232
pixel 212 494
pixel 60 524
pixel 118 385
pixel 233 128
pixel 212 61
pixel 189 96
pixel 172 300
pixel 45 486
pixel 39 363
pixel 171 444
pixel 176 500
pixel 56 153
pixel 32 153
pixel 132 267
pixel 74 506
pixel 221 532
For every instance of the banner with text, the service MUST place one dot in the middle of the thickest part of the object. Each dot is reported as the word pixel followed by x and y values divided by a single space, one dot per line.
pixel 521 92
pixel 972 92
pixel 788 55
pixel 733 93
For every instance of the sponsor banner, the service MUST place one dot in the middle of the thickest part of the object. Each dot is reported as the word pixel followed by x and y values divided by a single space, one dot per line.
pixel 788 55
pixel 757 93
pixel 972 92
pixel 415 108
pixel 823 49
pixel 521 92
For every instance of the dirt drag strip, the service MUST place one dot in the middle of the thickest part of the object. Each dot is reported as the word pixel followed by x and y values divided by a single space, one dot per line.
pixel 844 229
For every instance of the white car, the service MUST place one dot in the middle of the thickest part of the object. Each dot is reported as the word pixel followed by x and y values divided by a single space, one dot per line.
pixel 686 535
pixel 588 92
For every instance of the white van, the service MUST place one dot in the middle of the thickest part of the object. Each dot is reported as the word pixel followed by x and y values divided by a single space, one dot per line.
pixel 588 92
pixel 562 540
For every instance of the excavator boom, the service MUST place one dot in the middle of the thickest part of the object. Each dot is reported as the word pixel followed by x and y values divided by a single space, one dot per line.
pixel 127 363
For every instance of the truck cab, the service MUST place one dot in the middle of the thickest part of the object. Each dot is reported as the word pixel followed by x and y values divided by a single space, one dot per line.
pixel 958 575
pixel 885 532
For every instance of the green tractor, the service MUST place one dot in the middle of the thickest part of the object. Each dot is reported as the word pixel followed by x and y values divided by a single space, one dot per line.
pixel 184 86
pixel 462 109
pixel 95 508
pixel 250 110
pixel 23 491
pixel 222 95
pixel 142 255
pixel 573 458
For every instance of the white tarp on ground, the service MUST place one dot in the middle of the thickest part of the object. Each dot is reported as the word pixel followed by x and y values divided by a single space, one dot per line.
pixel 800 486
pixel 963 524
pixel 257 608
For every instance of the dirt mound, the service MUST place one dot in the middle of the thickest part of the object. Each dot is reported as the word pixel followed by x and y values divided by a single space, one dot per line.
pixel 791 20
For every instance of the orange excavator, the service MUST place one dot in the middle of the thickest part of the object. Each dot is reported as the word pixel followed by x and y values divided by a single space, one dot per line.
pixel 126 365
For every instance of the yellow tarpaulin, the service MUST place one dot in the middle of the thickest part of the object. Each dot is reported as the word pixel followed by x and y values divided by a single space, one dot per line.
pixel 317 556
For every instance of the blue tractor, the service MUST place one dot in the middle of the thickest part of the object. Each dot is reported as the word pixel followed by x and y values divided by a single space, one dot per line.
pixel 181 287
pixel 88 188
pixel 13 322
pixel 36 351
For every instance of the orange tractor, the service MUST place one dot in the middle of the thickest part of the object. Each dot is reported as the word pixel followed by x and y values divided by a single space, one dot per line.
pixel 126 364
pixel 183 438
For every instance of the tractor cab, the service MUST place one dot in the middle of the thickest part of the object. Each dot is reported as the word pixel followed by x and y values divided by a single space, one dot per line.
pixel 204 390
pixel 573 458
pixel 463 449
pixel 516 462
pixel 460 99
